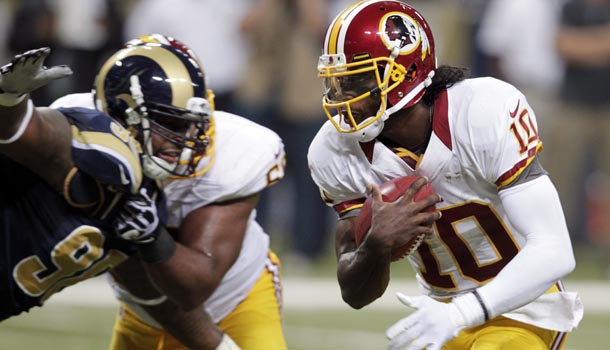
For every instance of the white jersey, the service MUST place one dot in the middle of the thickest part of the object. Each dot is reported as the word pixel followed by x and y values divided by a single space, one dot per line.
pixel 245 158
pixel 484 135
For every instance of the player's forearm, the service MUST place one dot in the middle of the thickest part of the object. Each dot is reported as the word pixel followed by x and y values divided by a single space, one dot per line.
pixel 188 278
pixel 529 275
pixel 363 273
pixel 41 144
pixel 195 329
pixel 547 256
pixel 363 277
pixel 39 139
pixel 11 118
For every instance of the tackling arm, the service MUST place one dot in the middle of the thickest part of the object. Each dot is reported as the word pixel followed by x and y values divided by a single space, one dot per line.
pixel 38 138
pixel 45 145
pixel 208 243
pixel 193 328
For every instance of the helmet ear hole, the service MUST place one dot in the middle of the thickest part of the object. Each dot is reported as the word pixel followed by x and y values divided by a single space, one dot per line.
pixel 411 73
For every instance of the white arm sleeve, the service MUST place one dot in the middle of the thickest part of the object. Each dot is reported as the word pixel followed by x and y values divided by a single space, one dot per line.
pixel 534 209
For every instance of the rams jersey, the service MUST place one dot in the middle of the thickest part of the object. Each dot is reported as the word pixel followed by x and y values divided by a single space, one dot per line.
pixel 484 135
pixel 51 241
pixel 243 159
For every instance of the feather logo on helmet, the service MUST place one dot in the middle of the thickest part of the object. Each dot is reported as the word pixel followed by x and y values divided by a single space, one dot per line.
pixel 402 31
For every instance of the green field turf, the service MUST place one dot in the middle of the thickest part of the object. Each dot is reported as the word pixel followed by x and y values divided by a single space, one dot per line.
pixel 61 327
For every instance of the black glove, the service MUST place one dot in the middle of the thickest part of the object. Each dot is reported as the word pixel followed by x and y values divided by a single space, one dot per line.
pixel 138 220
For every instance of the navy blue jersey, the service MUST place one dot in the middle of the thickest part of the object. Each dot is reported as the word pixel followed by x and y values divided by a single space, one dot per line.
pixel 50 241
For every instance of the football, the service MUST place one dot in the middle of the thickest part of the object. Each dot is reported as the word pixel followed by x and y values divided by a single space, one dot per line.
pixel 391 191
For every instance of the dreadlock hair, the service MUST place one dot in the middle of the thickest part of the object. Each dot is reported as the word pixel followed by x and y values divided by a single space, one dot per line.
pixel 444 78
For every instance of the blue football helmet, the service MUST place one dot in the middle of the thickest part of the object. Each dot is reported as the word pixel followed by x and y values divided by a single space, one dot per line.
pixel 152 87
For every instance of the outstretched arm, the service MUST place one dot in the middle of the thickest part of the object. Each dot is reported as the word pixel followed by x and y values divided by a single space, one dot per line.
pixel 191 265
pixel 38 138
pixel 208 243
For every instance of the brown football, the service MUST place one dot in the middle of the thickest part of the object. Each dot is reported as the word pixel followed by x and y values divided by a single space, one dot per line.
pixel 390 191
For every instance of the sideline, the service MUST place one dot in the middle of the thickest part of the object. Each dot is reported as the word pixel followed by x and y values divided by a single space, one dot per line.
pixel 303 293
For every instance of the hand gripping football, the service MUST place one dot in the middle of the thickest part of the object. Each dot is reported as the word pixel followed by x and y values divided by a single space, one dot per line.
pixel 391 191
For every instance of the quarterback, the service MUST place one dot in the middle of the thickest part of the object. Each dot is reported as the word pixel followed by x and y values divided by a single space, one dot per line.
pixel 231 273
pixel 497 246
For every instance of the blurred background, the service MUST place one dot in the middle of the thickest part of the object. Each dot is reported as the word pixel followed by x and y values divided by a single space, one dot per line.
pixel 260 58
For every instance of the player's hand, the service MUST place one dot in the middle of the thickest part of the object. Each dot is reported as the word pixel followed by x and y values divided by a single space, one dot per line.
pixel 393 224
pixel 26 73
pixel 431 325
pixel 138 219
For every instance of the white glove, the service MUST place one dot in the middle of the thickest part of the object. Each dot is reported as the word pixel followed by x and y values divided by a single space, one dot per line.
pixel 138 219
pixel 26 73
pixel 431 325
pixel 227 343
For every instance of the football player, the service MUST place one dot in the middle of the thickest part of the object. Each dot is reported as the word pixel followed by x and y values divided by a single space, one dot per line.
pixel 231 273
pixel 79 195
pixel 491 264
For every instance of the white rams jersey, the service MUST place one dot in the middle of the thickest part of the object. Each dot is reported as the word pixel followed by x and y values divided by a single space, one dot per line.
pixel 244 158
pixel 484 135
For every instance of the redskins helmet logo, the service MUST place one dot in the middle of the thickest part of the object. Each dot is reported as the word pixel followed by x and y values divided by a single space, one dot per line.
pixel 402 31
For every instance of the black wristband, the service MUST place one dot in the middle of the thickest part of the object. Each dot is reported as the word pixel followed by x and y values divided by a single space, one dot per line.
pixel 160 250
pixel 480 300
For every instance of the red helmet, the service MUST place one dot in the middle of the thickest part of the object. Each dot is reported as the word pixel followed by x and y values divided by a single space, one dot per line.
pixel 163 39
pixel 375 48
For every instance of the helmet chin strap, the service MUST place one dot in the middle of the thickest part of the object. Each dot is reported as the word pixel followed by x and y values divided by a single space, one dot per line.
pixel 370 132
pixel 157 168
pixel 424 84
pixel 153 169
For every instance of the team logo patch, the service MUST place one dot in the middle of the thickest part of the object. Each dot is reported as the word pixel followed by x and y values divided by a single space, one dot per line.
pixel 400 30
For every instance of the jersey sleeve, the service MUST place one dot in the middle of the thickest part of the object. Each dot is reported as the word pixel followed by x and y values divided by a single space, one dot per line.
pixel 106 163
pixel 101 147
pixel 246 158
pixel 500 135
pixel 263 166
pixel 340 182
pixel 104 150
pixel 84 100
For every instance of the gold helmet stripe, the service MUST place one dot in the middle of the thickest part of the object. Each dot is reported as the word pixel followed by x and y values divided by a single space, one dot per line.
pixel 335 38
pixel 172 66
pixel 333 30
